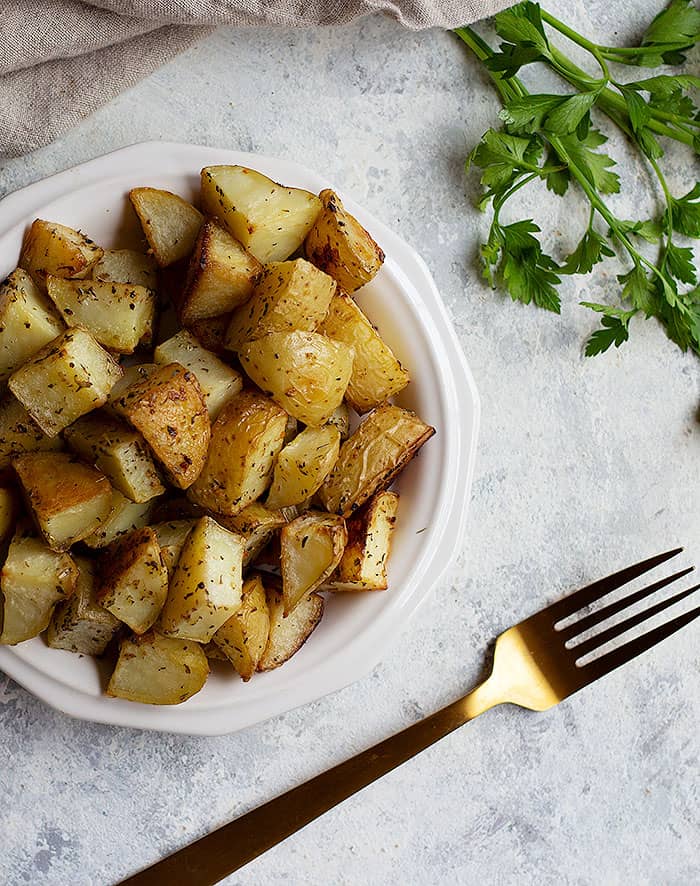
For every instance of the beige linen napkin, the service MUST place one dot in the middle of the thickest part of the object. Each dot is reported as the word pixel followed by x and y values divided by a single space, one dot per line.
pixel 62 59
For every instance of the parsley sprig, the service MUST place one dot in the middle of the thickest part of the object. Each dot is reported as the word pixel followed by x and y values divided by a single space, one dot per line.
pixel 551 138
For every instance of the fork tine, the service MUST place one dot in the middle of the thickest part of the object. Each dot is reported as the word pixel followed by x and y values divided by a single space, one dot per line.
pixel 562 608
pixel 589 621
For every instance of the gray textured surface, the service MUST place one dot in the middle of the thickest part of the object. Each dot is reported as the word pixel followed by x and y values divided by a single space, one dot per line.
pixel 583 466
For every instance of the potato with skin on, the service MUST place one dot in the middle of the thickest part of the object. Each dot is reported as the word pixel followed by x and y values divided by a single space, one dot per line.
pixel 340 246
pixel 211 333
pixel 168 409
pixel 244 636
pixel 289 633
pixel 257 524
pixel 50 248
pixel 369 460
pixel 303 465
pixel 291 295
pixel 246 438
pixel 341 419
pixel 130 375
pixel 153 669
pixel 67 498
pixel 213 653
pixel 124 515
pixel 306 373
pixel 27 322
pixel 19 433
pixel 127 266
pixel 376 373
pixel 271 221
pixel 68 377
pixel 171 537
pixel 80 624
pixel 311 546
pixel 170 224
pixel 205 589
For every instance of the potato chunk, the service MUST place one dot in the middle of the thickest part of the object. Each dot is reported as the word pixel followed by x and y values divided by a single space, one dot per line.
pixel 50 248
pixel 124 515
pixel 291 295
pixel 270 220
pixel 27 322
pixel 370 459
pixel 127 266
pixel 119 452
pixel 303 465
pixel 168 409
pixel 246 438
pixel 134 579
pixel 218 381
pixel 80 624
pixel 171 224
pixel 306 373
pixel 376 373
pixel 153 669
pixel 67 378
pixel 312 546
pixel 257 524
pixel 19 433
pixel 211 332
pixel 33 579
pixel 205 590
pixel 131 374
pixel 67 498
pixel 243 637
pixel 118 315
pixel 171 537
pixel 9 508
pixel 289 633
pixel 221 275
pixel 340 246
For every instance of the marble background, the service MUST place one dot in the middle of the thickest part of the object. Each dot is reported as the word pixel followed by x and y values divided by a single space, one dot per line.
pixel 583 466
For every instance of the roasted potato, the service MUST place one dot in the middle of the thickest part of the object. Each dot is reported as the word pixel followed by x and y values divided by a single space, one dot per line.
pixel 341 419
pixel 306 373
pixel 65 379
pixel 134 579
pixel 291 295
pixel 27 322
pixel 67 498
pixel 124 515
pixel 340 246
pixel 303 465
pixel 50 248
pixel 370 459
pixel 127 266
pixel 311 545
pixel 271 221
pixel 289 633
pixel 243 637
pixel 222 275
pixel 211 332
pixel 171 224
pixel 117 315
pixel 171 537
pixel 9 509
pixel 218 381
pixel 376 373
pixel 205 589
pixel 168 408
pixel 256 524
pixel 246 438
pixel 131 374
pixel 153 669
pixel 19 433
pixel 80 624
pixel 33 579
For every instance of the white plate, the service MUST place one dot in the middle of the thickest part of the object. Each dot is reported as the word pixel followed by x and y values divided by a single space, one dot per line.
pixel 356 629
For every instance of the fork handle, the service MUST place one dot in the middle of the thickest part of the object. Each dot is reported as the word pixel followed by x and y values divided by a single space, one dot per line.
pixel 225 850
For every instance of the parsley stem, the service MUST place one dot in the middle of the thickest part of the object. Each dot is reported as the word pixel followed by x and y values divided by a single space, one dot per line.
pixel 577 38
pixel 506 88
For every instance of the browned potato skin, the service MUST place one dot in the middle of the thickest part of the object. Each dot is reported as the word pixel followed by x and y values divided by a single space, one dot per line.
pixel 50 248
pixel 311 548
pixel 288 634
pixel 168 408
pixel 244 636
pixel 170 223
pixel 211 333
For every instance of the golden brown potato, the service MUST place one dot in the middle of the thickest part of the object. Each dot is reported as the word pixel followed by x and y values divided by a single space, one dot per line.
pixel 205 589
pixel 376 373
pixel 171 537
pixel 289 633
pixel 171 224
pixel 68 377
pixel 124 515
pixel 50 248
pixel 257 524
pixel 306 373
pixel 127 266
pixel 270 220
pixel 153 669
pixel 291 295
pixel 68 499
pixel 211 333
pixel 369 460
pixel 80 624
pixel 341 419
pixel 303 465
pixel 27 322
pixel 222 275
pixel 311 546
pixel 243 637
pixel 246 438
pixel 168 408
pixel 340 246
pixel 117 315
pixel 214 653
pixel 134 579
pixel 131 374
pixel 19 433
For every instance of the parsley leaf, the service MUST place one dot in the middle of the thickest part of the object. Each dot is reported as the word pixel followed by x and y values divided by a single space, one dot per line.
pixel 614 331
pixel 674 30
pixel 679 261
pixel 639 290
pixel 592 249
pixel 685 213
pixel 594 166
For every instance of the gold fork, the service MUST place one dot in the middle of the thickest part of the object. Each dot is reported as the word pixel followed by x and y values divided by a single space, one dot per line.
pixel 534 667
